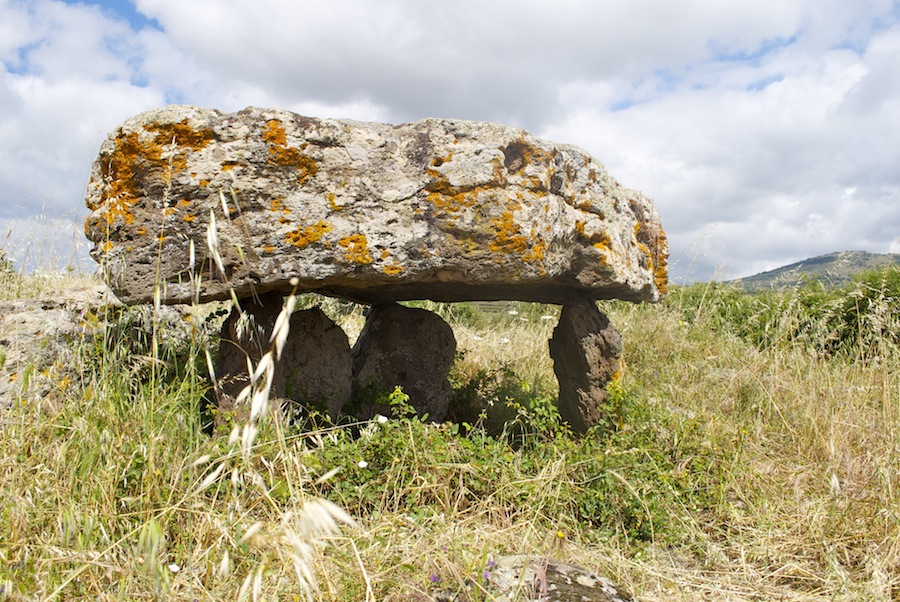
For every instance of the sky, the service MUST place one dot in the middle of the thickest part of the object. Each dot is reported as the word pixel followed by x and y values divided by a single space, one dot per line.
pixel 765 131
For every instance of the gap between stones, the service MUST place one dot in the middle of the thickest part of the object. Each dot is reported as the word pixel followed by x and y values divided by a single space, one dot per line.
pixel 399 346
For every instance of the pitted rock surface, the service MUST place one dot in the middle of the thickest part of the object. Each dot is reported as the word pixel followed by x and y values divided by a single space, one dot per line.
pixel 437 209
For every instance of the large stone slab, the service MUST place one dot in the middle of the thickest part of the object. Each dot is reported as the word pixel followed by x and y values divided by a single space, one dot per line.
pixel 438 209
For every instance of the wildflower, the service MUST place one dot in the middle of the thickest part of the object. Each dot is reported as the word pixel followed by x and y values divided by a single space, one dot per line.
pixel 174 568
pixel 381 419
pixel 362 464
pixel 435 578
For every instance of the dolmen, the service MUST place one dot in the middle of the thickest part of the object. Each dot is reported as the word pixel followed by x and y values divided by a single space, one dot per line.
pixel 193 205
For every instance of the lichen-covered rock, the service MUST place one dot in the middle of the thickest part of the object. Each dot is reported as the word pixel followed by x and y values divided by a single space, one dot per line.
pixel 546 580
pixel 438 209
pixel 524 578
pixel 585 349
pixel 404 347
pixel 39 337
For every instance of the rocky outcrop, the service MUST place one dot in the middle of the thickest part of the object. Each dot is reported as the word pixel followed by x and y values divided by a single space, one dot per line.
pixel 404 347
pixel 438 209
pixel 585 349
pixel 537 579
pixel 39 337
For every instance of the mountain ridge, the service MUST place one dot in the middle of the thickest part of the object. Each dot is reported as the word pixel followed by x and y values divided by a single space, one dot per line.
pixel 833 270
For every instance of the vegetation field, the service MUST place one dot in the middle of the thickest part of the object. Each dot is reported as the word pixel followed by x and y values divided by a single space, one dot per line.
pixel 751 451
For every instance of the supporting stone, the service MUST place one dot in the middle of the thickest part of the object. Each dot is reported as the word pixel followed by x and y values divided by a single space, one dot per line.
pixel 407 347
pixel 245 335
pixel 316 363
pixel 314 369
pixel 585 349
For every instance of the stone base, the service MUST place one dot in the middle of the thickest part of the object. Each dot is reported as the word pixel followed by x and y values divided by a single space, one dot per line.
pixel 404 347
pixel 314 370
pixel 585 349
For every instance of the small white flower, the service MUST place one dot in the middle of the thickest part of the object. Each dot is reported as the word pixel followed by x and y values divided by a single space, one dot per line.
pixel 381 419
pixel 174 568
pixel 362 464
pixel 513 312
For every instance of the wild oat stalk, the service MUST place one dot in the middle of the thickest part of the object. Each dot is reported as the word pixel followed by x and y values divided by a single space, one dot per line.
pixel 296 536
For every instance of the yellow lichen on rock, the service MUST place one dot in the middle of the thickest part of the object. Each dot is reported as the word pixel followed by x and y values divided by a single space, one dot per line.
pixel 283 155
pixel 356 249
pixel 305 236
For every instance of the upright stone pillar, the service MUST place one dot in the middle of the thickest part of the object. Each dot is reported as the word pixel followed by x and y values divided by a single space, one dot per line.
pixel 585 349
pixel 407 347
pixel 314 369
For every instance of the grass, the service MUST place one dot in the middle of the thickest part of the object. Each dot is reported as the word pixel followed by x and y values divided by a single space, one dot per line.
pixel 745 458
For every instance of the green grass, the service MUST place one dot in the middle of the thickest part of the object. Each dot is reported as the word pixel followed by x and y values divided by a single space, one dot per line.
pixel 747 455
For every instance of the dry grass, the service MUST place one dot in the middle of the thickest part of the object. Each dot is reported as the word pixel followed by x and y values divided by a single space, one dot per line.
pixel 112 489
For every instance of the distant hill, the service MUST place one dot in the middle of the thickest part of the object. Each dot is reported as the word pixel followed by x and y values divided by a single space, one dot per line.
pixel 834 270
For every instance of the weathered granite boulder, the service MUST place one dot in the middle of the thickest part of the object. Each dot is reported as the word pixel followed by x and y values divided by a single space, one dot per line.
pixel 315 366
pixel 438 209
pixel 405 347
pixel 585 349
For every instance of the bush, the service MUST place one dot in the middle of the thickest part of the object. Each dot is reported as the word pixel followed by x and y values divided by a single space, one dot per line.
pixel 859 321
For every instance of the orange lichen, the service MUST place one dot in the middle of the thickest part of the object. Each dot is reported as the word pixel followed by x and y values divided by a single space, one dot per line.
pixel 278 206
pixel 204 183
pixel 536 252
pixel 181 135
pixel 142 230
pixel 392 270
pixel 190 218
pixel 437 162
pixel 332 203
pixel 305 236
pixel 282 155
pixel 134 160
pixel 274 133
pixel 600 241
pixel 658 262
pixel 519 154
pixel 107 247
pixel 356 249
pixel 508 237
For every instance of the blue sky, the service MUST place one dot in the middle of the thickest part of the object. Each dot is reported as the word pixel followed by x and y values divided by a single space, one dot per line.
pixel 764 130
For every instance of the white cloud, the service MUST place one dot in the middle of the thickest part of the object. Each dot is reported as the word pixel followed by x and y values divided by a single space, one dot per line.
pixel 746 121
